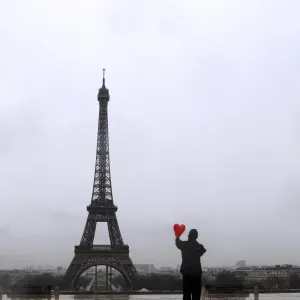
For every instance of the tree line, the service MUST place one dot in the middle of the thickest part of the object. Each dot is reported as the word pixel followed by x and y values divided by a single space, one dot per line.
pixel 156 282
pixel 225 278
pixel 159 282
pixel 6 282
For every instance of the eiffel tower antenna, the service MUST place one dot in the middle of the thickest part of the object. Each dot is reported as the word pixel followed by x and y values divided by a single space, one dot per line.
pixel 103 80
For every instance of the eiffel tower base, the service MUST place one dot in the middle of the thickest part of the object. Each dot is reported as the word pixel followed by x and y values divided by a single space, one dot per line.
pixel 116 257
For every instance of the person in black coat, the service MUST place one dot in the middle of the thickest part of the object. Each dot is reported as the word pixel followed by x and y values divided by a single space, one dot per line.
pixel 191 270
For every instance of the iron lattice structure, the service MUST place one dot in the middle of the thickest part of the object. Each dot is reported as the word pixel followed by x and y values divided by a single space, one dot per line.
pixel 101 209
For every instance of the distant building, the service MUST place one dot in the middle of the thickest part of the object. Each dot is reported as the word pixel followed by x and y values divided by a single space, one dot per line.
pixel 216 270
pixel 241 264
pixel 144 269
pixel 264 272
pixel 170 271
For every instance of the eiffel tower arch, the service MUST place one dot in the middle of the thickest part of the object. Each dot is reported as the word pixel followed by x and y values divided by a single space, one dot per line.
pixel 101 209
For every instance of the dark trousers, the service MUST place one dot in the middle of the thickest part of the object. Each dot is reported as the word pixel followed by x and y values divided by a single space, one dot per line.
pixel 191 287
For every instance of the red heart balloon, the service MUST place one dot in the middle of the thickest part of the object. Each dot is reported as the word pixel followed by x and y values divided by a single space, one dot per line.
pixel 179 229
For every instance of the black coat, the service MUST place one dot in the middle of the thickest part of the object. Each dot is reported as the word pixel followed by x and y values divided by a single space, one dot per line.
pixel 191 252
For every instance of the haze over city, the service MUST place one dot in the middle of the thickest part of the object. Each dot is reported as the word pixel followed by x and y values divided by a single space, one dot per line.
pixel 203 124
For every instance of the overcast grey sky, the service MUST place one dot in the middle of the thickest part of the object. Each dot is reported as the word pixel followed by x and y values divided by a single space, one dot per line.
pixel 203 119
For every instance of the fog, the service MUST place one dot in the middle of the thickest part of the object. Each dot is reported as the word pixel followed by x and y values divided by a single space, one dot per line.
pixel 203 123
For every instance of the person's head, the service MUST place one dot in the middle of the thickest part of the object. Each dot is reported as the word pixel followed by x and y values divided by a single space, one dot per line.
pixel 193 234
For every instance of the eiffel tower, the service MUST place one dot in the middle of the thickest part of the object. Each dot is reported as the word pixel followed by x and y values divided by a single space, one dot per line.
pixel 101 209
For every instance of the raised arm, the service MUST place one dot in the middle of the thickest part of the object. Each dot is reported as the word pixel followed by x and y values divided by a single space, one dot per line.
pixel 179 243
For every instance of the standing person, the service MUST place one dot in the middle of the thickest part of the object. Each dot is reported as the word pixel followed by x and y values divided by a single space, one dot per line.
pixel 191 270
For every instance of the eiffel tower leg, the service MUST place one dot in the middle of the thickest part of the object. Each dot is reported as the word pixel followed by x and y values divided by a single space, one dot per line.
pixel 89 231
pixel 106 278
pixel 130 269
pixel 96 278
pixel 68 281
pixel 110 278
pixel 114 232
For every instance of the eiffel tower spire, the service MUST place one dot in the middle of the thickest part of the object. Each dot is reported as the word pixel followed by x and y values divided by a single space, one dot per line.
pixel 102 192
pixel 103 80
